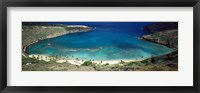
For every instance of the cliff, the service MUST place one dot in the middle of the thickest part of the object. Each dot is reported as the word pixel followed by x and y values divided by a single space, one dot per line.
pixel 168 38
pixel 166 35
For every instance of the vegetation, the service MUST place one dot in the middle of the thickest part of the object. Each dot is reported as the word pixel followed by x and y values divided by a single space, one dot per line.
pixel 87 63
pixel 161 63
pixel 26 60
pixel 34 33
pixel 167 37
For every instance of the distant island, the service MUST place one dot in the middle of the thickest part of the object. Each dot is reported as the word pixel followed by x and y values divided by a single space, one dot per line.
pixel 164 33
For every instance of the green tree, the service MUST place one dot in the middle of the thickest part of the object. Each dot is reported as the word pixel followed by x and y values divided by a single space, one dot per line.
pixel 87 63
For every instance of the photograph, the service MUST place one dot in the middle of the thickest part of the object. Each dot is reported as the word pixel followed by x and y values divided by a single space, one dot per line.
pixel 107 46
pixel 99 46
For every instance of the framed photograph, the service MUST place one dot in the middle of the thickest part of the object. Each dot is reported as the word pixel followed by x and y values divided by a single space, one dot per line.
pixel 136 46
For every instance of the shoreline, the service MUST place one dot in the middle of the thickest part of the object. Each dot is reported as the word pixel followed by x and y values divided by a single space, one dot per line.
pixel 25 47
pixel 85 29
pixel 78 61
pixel 156 40
pixel 75 61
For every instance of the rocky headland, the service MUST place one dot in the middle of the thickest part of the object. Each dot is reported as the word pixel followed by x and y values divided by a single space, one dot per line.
pixel 165 34
pixel 33 33
pixel 167 37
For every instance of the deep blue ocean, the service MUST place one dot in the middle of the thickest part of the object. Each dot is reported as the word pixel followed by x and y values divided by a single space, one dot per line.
pixel 109 41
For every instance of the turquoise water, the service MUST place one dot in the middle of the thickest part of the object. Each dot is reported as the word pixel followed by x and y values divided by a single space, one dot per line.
pixel 109 41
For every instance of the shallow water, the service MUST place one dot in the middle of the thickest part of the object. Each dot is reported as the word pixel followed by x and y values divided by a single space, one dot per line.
pixel 109 41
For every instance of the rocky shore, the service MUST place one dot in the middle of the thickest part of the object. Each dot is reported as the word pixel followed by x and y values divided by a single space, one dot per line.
pixel 168 38
pixel 164 34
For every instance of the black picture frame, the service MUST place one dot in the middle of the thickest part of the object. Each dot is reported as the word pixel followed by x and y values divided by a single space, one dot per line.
pixel 101 3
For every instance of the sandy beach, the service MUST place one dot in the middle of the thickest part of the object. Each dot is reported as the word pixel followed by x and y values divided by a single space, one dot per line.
pixel 78 62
